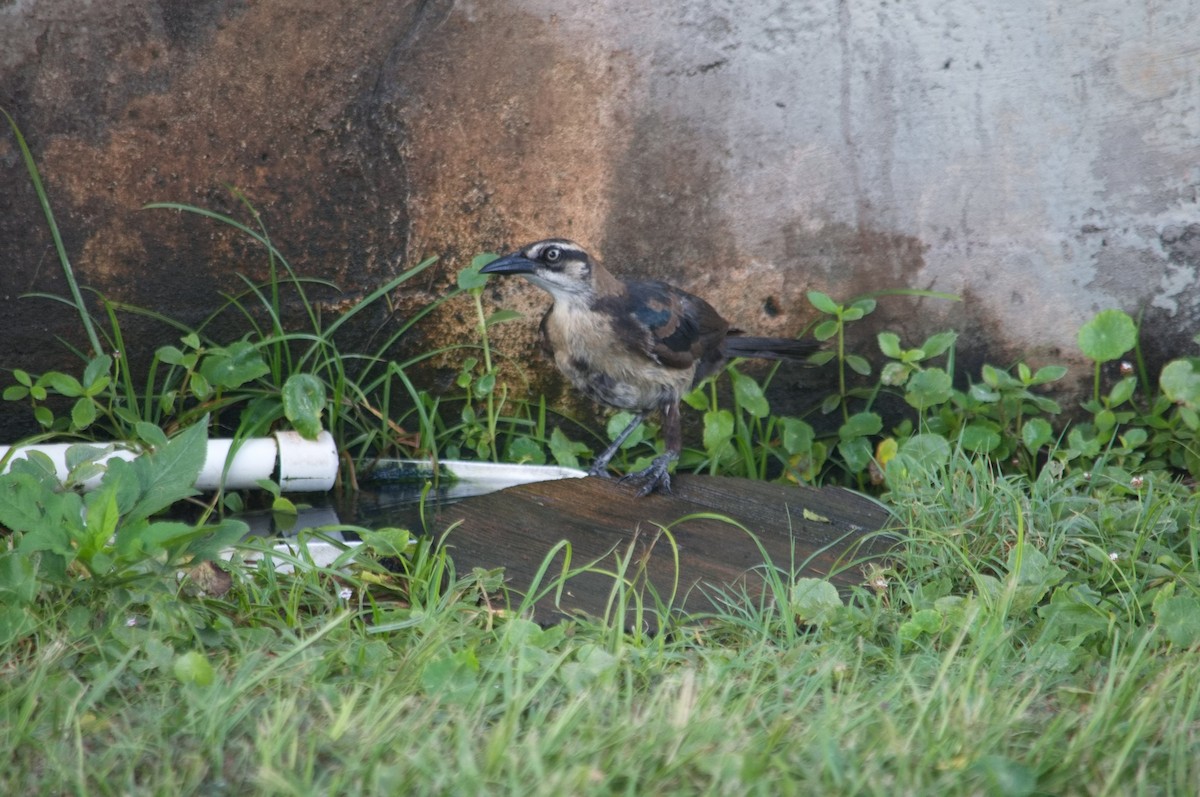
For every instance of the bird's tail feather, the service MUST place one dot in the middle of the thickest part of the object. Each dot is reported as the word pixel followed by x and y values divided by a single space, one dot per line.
pixel 769 348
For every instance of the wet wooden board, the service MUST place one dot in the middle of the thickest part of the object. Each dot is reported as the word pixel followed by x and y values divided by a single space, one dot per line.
pixel 802 531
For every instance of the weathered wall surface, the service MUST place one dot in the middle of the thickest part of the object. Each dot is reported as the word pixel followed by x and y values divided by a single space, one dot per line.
pixel 1041 160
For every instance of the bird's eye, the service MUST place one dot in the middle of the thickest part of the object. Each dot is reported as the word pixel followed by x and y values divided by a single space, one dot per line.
pixel 552 254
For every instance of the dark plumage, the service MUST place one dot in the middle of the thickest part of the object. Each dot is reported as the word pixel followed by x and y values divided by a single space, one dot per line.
pixel 633 345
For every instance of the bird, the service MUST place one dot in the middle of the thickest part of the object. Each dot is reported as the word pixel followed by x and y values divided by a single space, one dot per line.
pixel 636 345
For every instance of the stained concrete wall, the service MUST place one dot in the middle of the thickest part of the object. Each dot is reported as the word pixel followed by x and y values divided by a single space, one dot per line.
pixel 1038 159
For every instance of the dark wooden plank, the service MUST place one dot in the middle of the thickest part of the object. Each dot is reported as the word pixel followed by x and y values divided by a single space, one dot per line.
pixel 802 531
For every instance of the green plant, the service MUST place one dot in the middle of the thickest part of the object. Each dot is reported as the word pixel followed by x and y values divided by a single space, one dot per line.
pixel 492 424
pixel 61 539
pixel 269 376
pixel 484 386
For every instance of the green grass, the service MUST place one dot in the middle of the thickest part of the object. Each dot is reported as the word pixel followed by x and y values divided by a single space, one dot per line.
pixel 1031 638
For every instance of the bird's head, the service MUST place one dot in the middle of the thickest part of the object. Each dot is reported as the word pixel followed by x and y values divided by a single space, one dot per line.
pixel 558 266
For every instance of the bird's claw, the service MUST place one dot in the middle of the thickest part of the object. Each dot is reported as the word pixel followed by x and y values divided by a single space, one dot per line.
pixel 654 478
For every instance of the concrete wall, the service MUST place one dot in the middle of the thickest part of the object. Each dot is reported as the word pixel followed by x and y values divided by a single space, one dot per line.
pixel 1039 159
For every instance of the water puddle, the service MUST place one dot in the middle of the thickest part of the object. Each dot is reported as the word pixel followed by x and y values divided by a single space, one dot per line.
pixel 403 494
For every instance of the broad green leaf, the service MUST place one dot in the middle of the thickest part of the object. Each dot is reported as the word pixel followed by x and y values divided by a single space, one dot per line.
pixel 697 398
pixel 1047 374
pixel 199 386
pixel 389 541
pixel 44 416
pixel 1134 438
pixel 999 378
pixel 858 364
pixel 97 387
pixel 172 356
pixel 148 538
pixel 470 278
pixel 83 413
pixel 525 451
pixel 889 344
pixel 895 374
pixel 96 372
pixel 1081 443
pixel 564 450
pixel 797 435
pixel 1180 382
pixel 102 514
pixel 63 384
pixel 79 454
pixel 486 384
pixel 1032 567
pixel 925 622
pixel 1035 433
pixel 927 449
pixel 928 388
pixel 30 503
pixel 215 538
pixel 591 662
pixel 1122 391
pixel 617 424
pixel 980 437
pixel 813 599
pixel 749 395
pixel 303 404
pixel 18 579
pixel 500 316
pixel 1073 614
pixel 193 668
pixel 863 307
pixel 150 433
pixel 452 678
pixel 1107 336
pixel 16 622
pixel 166 475
pixel 1178 619
pixel 822 302
pixel 826 329
pixel 860 425
pixel 856 453
pixel 938 344
pixel 718 430
pixel 234 365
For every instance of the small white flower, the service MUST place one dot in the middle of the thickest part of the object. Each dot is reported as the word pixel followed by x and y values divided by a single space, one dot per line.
pixel 1126 368
pixel 130 622
pixel 1136 482
pixel 345 593
pixel 1113 556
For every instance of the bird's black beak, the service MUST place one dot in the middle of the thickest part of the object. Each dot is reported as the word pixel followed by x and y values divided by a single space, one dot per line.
pixel 516 263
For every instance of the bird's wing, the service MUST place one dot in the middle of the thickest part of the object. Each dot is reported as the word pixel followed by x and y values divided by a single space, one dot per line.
pixel 667 325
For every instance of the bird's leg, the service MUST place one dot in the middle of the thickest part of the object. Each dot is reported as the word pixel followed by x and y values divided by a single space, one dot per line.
pixel 600 463
pixel 656 477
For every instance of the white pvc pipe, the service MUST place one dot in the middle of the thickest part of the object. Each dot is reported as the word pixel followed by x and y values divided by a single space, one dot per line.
pixel 303 465
pixel 306 466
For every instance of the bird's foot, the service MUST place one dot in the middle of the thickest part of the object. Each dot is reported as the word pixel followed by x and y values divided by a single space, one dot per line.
pixel 599 469
pixel 654 478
